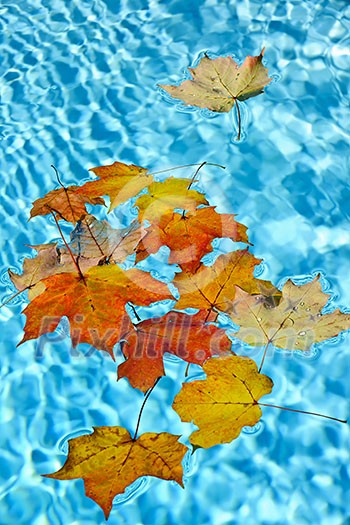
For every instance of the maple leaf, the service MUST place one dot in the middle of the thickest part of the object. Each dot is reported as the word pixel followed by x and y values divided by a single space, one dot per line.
pixel 109 460
pixel 93 242
pixel 218 83
pixel 119 181
pixel 296 323
pixel 223 403
pixel 50 260
pixel 95 239
pixel 215 286
pixel 46 263
pixel 189 236
pixel 186 336
pixel 94 304
pixel 166 196
pixel 68 203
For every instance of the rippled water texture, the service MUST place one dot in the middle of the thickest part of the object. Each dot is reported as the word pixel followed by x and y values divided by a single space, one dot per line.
pixel 78 89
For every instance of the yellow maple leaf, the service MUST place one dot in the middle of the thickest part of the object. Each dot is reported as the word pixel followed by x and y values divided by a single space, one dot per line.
pixel 223 403
pixel 215 286
pixel 217 83
pixel 119 181
pixel 165 196
pixel 109 460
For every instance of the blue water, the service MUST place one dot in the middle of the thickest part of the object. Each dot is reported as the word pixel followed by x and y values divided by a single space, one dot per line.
pixel 78 89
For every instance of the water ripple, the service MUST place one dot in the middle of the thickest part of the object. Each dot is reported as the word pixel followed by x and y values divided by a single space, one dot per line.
pixel 78 89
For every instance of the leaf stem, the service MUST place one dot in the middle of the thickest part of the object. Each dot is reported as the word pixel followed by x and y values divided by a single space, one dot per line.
pixel 57 175
pixel 303 412
pixel 15 295
pixel 149 392
pixel 264 355
pixel 238 120
pixel 188 166
pixel 134 310
pixel 196 173
pixel 76 264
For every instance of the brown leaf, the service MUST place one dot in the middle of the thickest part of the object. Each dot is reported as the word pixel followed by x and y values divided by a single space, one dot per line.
pixel 95 239
pixel 217 83
pixel 296 323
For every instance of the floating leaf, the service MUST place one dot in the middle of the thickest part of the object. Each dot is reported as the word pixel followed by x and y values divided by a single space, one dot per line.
pixel 109 460
pixel 93 242
pixel 217 84
pixel 215 286
pixel 94 305
pixel 189 236
pixel 51 260
pixel 68 203
pixel 223 403
pixel 166 196
pixel 46 263
pixel 296 323
pixel 119 181
pixel 186 336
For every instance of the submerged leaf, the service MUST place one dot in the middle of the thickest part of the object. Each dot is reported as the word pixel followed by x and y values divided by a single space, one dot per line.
pixel 47 262
pixel 295 324
pixel 186 336
pixel 223 403
pixel 93 243
pixel 94 239
pixel 109 460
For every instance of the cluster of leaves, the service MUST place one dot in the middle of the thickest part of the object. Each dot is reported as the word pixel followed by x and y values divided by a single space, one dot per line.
pixel 84 280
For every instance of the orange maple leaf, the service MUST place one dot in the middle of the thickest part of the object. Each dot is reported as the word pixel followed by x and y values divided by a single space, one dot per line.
pixel 94 304
pixel 186 336
pixel 189 236
pixel 68 203
pixel 109 460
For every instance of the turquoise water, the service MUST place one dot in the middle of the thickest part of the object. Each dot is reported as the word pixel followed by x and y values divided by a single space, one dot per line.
pixel 78 89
